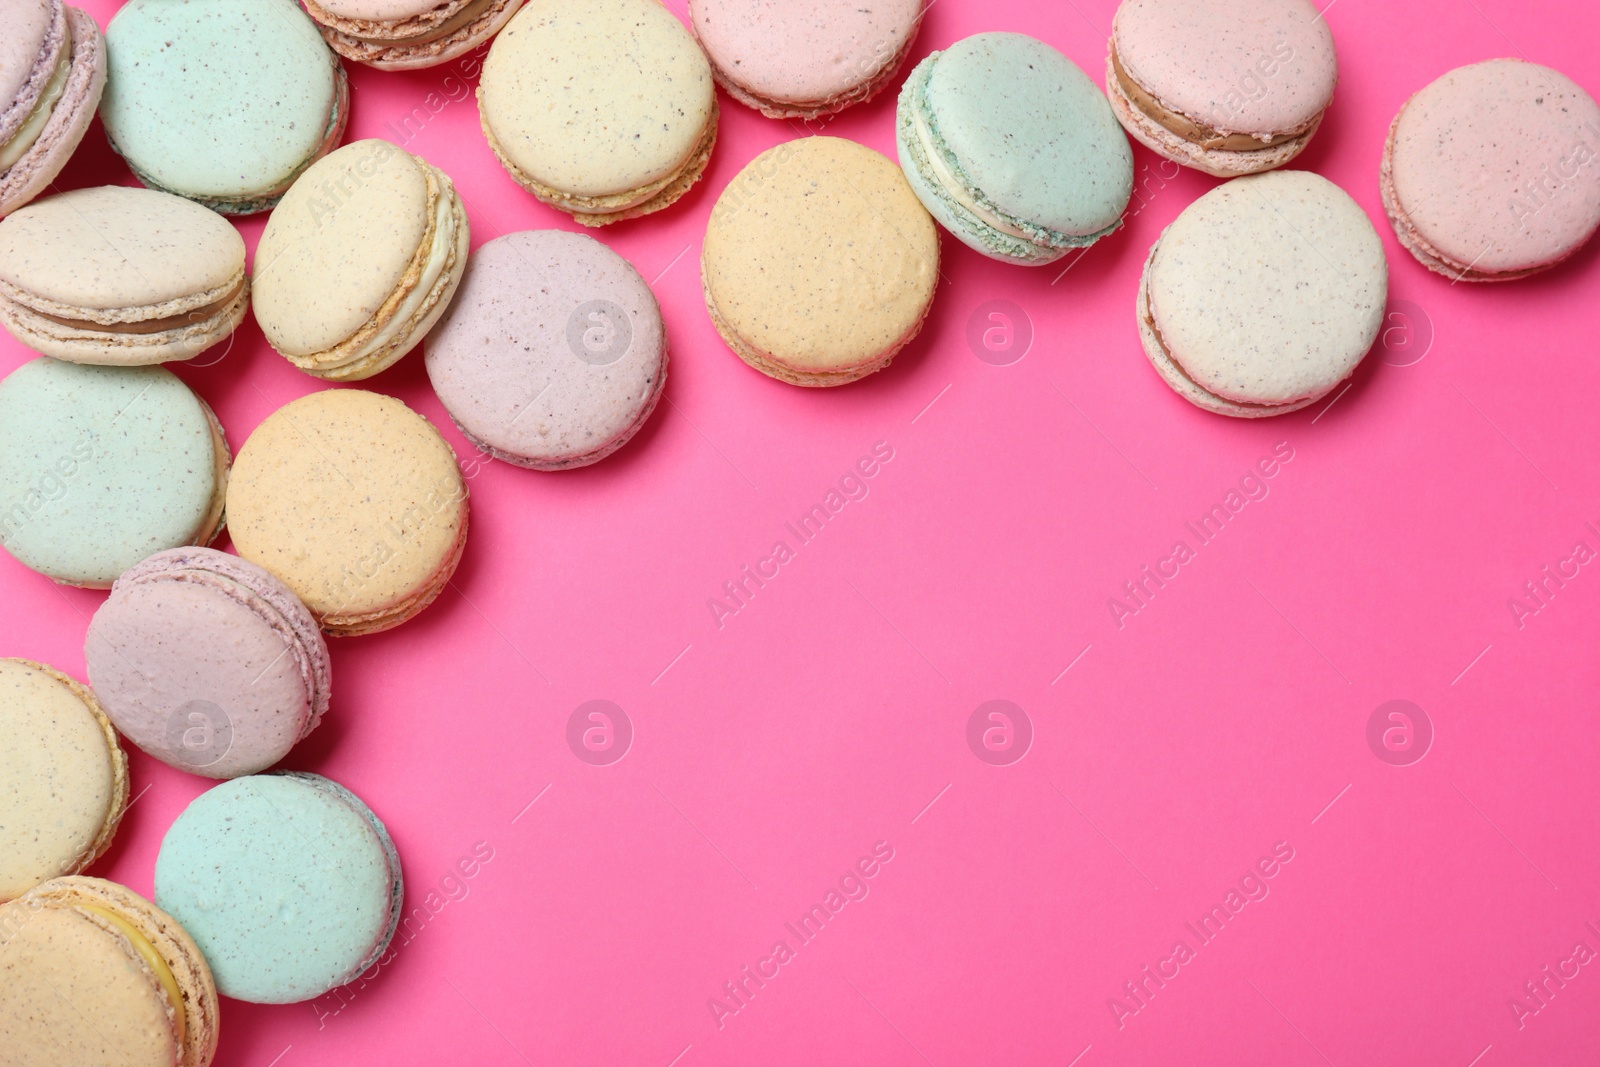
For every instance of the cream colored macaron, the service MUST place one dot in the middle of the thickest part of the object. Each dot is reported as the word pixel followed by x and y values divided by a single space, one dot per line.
pixel 63 777
pixel 359 260
pixel 819 263
pixel 355 502
pixel 604 109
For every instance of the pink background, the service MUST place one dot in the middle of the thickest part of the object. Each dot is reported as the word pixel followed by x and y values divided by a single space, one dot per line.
pixel 831 712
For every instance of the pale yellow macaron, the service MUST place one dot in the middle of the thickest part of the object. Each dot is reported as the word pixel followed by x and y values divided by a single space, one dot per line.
pixel 355 502
pixel 819 263
pixel 604 109
pixel 63 777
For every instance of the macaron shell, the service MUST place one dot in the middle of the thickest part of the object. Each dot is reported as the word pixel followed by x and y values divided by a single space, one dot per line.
pixel 27 51
pixel 69 119
pixel 554 352
pixel 1490 170
pixel 410 35
pixel 1269 289
pixel 63 777
pixel 819 261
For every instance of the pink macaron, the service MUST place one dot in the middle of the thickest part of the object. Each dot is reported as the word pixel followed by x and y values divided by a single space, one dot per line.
pixel 52 70
pixel 208 663
pixel 1492 172
pixel 804 60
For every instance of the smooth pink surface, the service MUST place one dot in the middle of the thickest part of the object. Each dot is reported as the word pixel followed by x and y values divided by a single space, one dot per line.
pixel 831 713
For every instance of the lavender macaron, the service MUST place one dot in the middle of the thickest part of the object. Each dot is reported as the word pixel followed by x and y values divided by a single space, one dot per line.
pixel 208 663
pixel 553 354
pixel 52 72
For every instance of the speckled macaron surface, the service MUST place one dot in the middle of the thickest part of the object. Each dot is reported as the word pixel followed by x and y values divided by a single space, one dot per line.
pixel 289 884
pixel 793 60
pixel 120 276
pixel 208 663
pixel 602 108
pixel 1263 294
pixel 221 101
pixel 819 263
pixel 554 352
pixel 359 260
pixel 102 466
pixel 63 777
pixel 52 73
pixel 409 34
pixel 386 502
pixel 1491 172
pixel 1013 149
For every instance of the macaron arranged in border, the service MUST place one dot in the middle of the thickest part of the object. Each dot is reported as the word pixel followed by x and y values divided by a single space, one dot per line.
pixel 94 973
pixel 120 276
pixel 1013 149
pixel 221 101
pixel 52 72
pixel 604 109
pixel 63 778
pixel 1489 173
pixel 1228 87
pixel 359 261
pixel 389 500
pixel 553 354
pixel 288 882
pixel 1263 295
pixel 208 663
pixel 103 466
pixel 409 34
pixel 802 61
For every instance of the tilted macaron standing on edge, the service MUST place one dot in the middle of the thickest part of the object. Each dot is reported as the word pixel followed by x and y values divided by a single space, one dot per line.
pixel 553 354
pixel 359 261
pixel 208 663
pixel 1263 295
pixel 819 264
pixel 221 101
pixel 52 71
pixel 1228 87
pixel 102 466
pixel 63 778
pixel 1013 149
pixel 805 60
pixel 120 276
pixel 604 109
pixel 390 503
pixel 409 34
pixel 288 882
pixel 95 974
pixel 1492 172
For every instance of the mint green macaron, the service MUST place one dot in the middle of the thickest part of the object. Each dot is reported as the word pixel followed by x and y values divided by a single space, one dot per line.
pixel 1013 149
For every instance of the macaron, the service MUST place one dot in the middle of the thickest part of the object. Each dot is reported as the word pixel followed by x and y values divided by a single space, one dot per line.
pixel 120 276
pixel 388 502
pixel 289 884
pixel 95 974
pixel 63 778
pixel 52 71
pixel 553 354
pixel 359 261
pixel 102 466
pixel 1263 295
pixel 409 34
pixel 222 101
pixel 803 61
pixel 819 264
pixel 1013 149
pixel 208 663
pixel 1490 173
pixel 1228 87
pixel 604 109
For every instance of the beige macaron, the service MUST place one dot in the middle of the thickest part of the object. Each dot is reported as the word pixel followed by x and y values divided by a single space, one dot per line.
pixel 63 777
pixel 359 260
pixel 819 263
pixel 355 502
pixel 120 276
pixel 604 109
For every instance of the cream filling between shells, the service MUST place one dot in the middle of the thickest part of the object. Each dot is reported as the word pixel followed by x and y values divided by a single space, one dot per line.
pixel 39 117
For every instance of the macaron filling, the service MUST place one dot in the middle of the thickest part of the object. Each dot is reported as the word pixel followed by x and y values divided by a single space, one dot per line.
pixel 944 171
pixel 33 126
pixel 440 253
pixel 1195 132
pixel 127 322
pixel 152 959
pixel 397 37
pixel 1178 368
